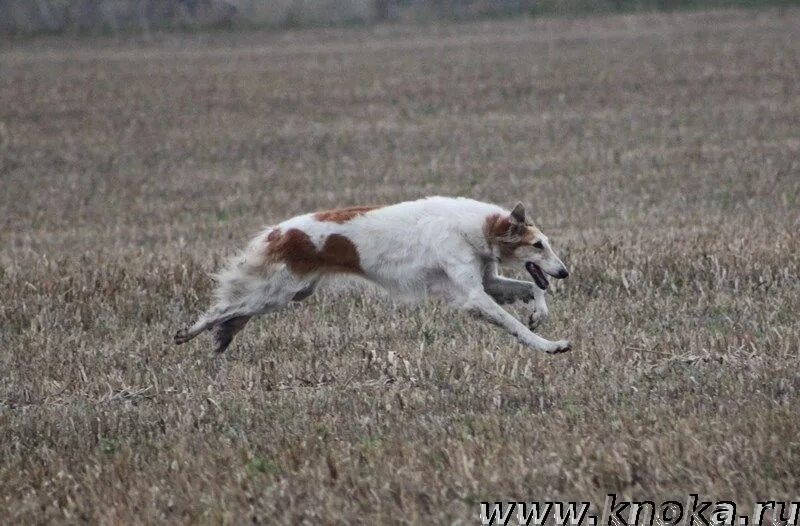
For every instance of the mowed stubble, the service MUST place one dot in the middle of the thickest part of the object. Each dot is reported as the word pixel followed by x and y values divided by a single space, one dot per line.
pixel 659 152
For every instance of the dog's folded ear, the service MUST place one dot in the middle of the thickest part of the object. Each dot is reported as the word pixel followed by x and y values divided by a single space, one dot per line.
pixel 518 214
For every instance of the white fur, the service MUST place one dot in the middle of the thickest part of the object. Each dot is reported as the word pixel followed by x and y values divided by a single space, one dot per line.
pixel 435 246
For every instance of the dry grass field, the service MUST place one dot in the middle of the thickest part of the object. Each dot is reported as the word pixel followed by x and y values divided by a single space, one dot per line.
pixel 661 153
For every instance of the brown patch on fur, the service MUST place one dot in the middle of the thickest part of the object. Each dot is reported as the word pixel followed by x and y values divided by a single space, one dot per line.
pixel 530 234
pixel 343 215
pixel 298 252
pixel 496 226
pixel 275 234
pixel 503 233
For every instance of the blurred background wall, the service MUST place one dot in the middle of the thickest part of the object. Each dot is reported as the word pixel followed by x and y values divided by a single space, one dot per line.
pixel 110 16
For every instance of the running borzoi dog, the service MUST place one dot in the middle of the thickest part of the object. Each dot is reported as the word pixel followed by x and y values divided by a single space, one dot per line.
pixel 438 246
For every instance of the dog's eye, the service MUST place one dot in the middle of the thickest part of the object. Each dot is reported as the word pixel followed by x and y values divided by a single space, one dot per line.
pixel 538 245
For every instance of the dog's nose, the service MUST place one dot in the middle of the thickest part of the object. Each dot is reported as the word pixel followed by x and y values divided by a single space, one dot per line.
pixel 563 273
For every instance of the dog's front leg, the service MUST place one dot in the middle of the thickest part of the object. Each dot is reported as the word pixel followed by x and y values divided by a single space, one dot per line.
pixel 481 304
pixel 538 310
pixel 476 300
pixel 505 290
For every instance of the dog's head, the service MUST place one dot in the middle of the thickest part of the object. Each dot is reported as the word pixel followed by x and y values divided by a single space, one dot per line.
pixel 517 240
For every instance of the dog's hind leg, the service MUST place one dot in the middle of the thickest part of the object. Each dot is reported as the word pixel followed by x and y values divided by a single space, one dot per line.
pixel 239 298
pixel 218 315
pixel 225 331
pixel 184 335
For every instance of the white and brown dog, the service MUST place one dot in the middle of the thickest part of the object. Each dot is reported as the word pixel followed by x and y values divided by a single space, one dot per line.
pixel 439 246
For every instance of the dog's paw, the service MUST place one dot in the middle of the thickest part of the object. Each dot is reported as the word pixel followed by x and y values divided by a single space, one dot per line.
pixel 180 337
pixel 560 347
